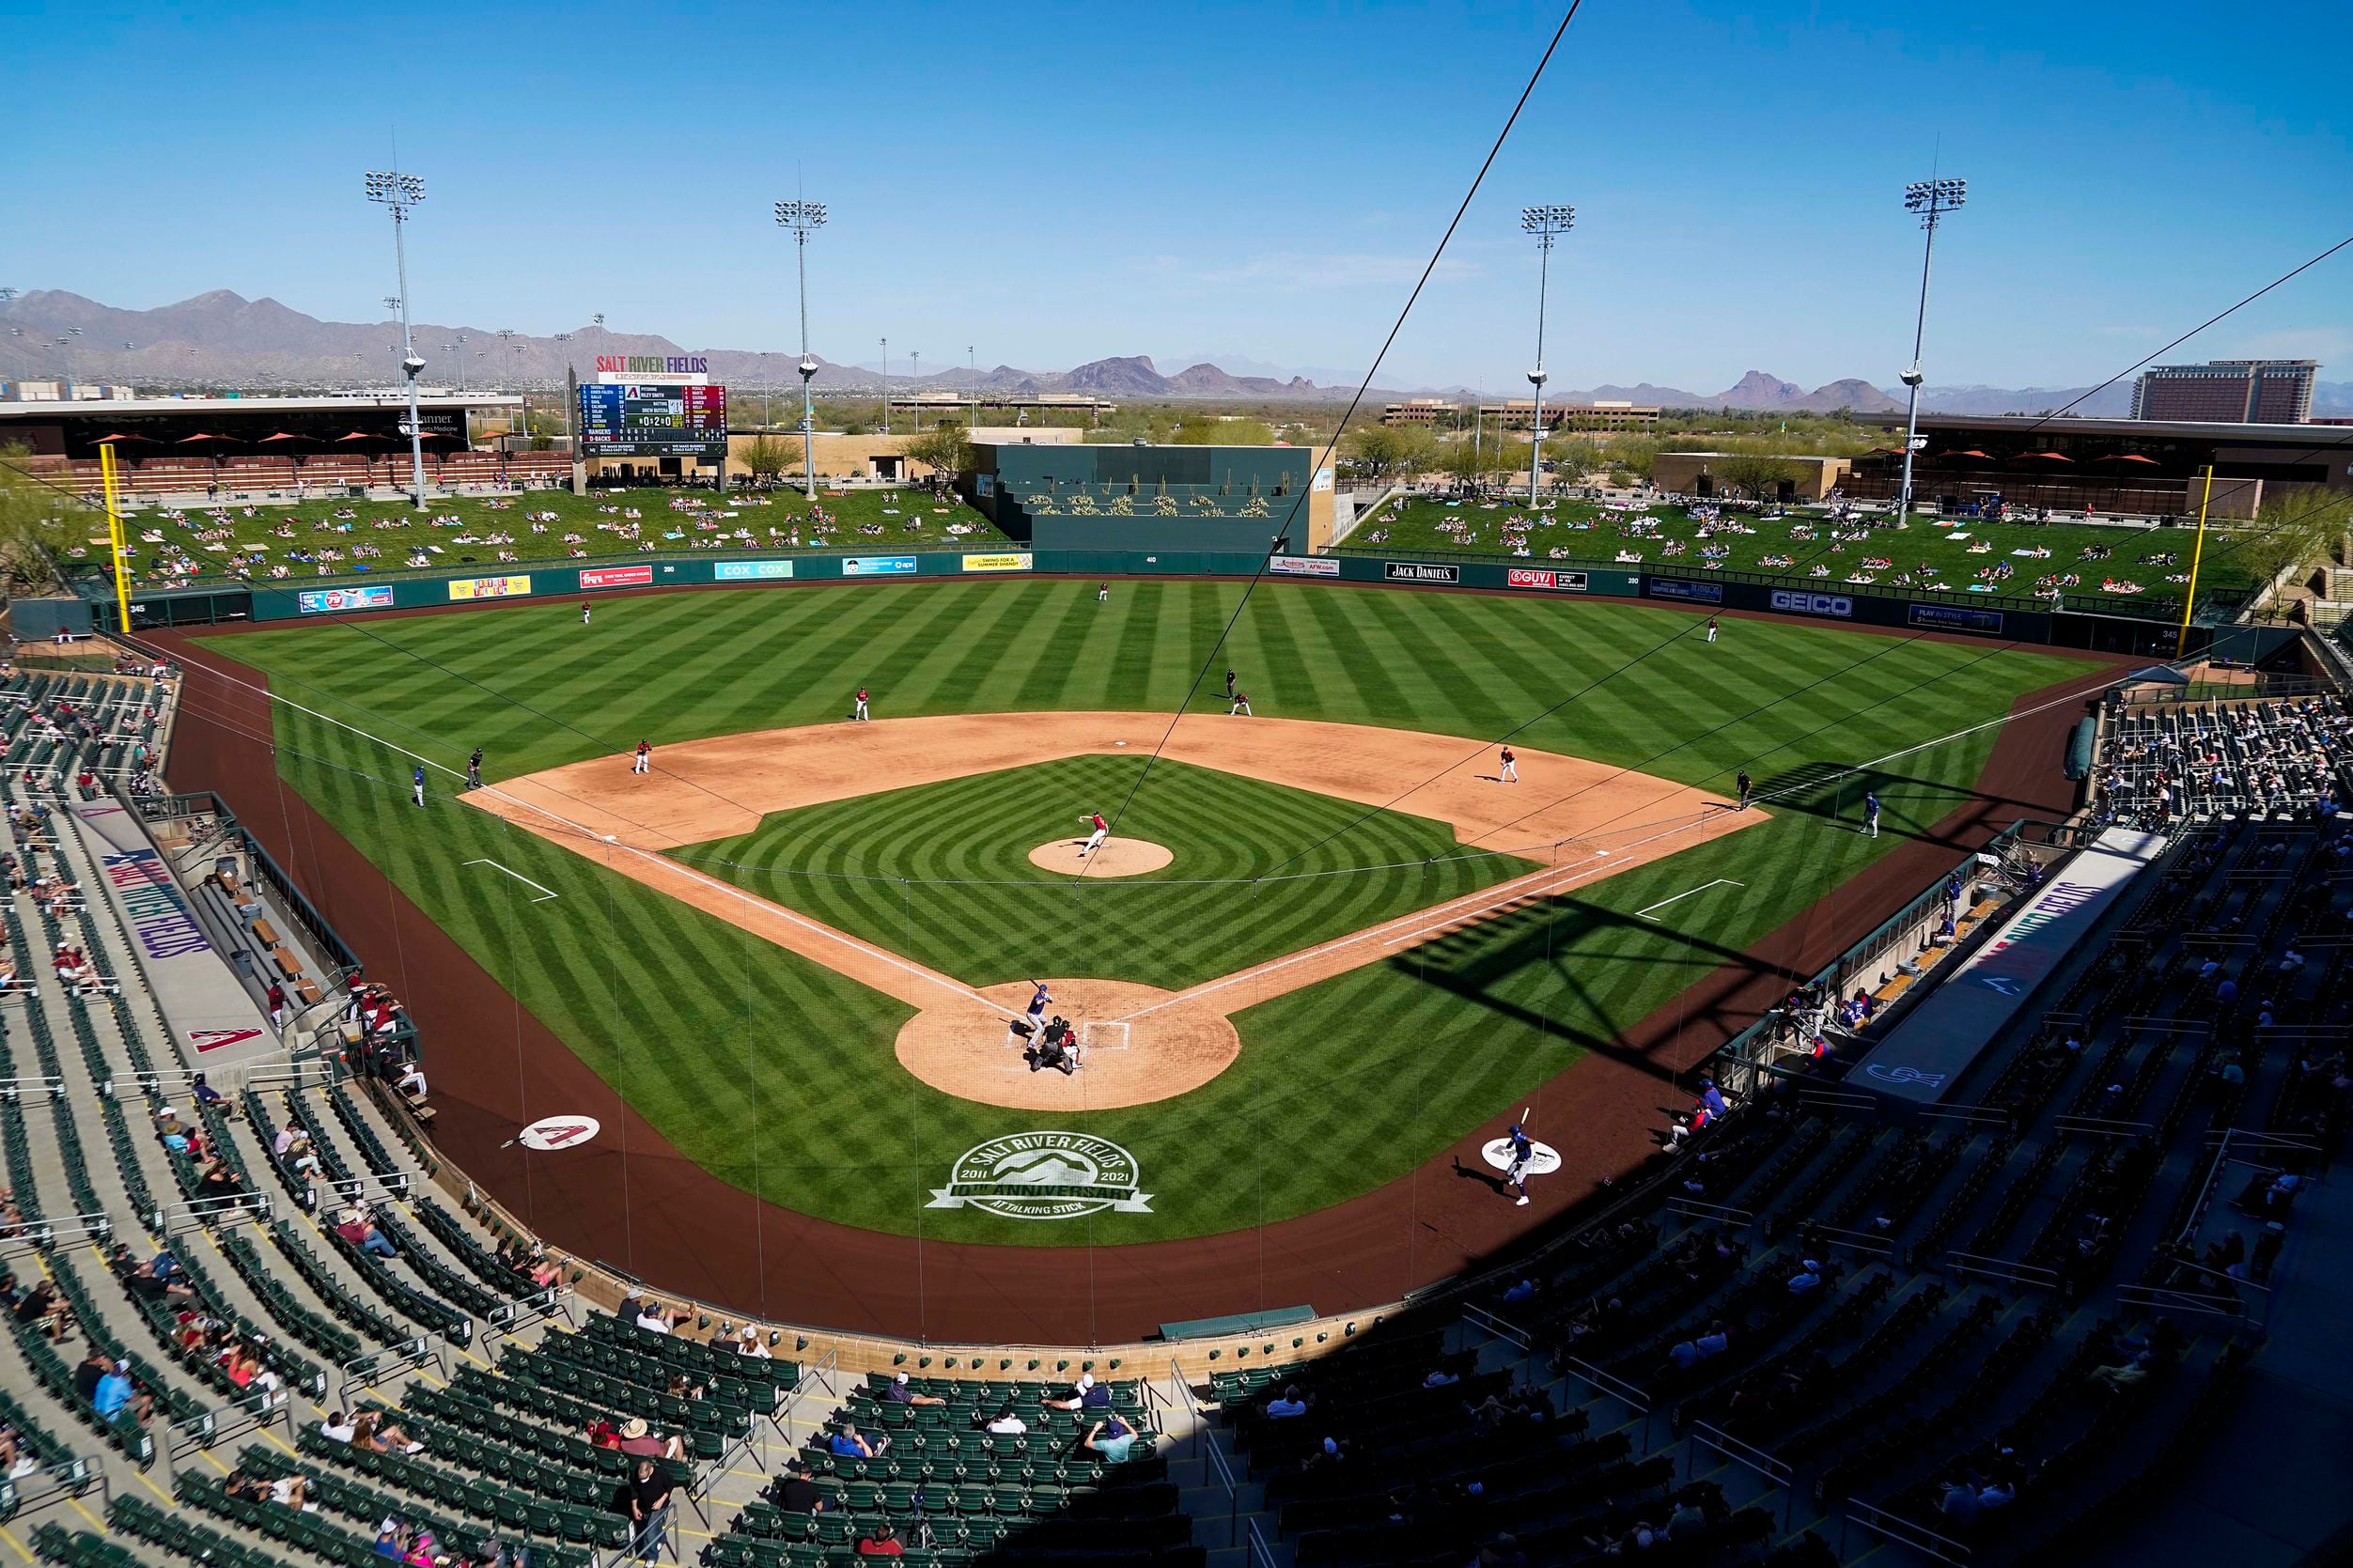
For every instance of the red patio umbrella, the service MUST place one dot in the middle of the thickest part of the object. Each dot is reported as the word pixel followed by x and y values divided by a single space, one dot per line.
pixel 198 436
pixel 2128 457
pixel 123 436
pixel 285 435
pixel 1972 453
pixel 2054 457
pixel 356 435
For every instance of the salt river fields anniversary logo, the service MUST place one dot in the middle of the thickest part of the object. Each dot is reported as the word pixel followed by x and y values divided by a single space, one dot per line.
pixel 1044 1176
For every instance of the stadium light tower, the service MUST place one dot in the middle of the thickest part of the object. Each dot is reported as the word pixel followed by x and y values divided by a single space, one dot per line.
pixel 1547 223
pixel 804 217
pixel 399 192
pixel 1932 200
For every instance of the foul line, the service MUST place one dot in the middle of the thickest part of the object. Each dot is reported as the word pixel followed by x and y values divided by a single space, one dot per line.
pixel 544 894
pixel 1719 882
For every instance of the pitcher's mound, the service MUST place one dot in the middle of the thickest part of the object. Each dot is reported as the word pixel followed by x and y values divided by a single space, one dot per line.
pixel 1127 1056
pixel 1117 857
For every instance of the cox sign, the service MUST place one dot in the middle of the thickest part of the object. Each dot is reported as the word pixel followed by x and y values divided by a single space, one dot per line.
pixel 1798 603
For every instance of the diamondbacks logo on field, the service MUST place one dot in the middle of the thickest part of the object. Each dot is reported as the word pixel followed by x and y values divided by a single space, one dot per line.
pixel 1044 1176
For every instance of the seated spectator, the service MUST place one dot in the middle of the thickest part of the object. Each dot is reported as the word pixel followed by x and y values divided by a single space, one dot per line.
pixel 1287 1405
pixel 1005 1423
pixel 375 1431
pixel 116 1394
pixel 1110 1440
pixel 900 1391
pixel 1439 1378
pixel 1087 1395
pixel 210 1098
pixel 1960 1506
pixel 850 1445
pixel 1809 1277
pixel 749 1343
pixel 1520 1290
pixel 650 1316
pixel 355 1228
pixel 883 1541
pixel 636 1439
pixel 336 1428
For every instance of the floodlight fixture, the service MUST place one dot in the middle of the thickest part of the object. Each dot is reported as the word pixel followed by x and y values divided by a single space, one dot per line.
pixel 1547 222
pixel 1931 199
pixel 396 193
pixel 804 217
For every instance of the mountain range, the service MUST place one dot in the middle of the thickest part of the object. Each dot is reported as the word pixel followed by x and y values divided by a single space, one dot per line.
pixel 223 339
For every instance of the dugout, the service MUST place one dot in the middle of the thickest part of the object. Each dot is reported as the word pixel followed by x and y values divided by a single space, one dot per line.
pixel 1153 498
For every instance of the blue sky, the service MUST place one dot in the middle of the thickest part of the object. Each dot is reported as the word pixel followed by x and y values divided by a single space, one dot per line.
pixel 1053 183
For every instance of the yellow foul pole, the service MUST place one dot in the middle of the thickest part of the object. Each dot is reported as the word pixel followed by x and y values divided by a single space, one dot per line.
pixel 2197 552
pixel 114 537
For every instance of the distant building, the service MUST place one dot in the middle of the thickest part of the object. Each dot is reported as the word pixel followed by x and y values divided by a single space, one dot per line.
pixel 2228 391
pixel 1421 410
pixel 1569 418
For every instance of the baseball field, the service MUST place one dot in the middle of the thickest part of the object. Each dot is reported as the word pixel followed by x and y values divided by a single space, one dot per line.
pixel 792 946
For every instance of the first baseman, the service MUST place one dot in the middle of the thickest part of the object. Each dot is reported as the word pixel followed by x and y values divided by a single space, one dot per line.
pixel 1094 839
pixel 644 762
pixel 862 704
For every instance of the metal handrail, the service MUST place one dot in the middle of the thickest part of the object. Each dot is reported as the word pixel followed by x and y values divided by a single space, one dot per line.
pixel 40 1233
pixel 1496 1326
pixel 74 1475
pixel 1261 1556
pixel 257 1206
pixel 13 1090
pixel 1777 1472
pixel 524 1312
pixel 366 1371
pixel 1616 1387
pixel 2002 1268
pixel 1902 1531
pixel 265 1407
pixel 1727 1213
pixel 2105 1126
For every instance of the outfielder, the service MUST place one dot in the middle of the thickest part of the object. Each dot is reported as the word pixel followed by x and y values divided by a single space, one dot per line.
pixel 416 784
pixel 1871 813
pixel 584 614
pixel 1712 629
pixel 1037 1003
pixel 1523 1150
pixel 1094 839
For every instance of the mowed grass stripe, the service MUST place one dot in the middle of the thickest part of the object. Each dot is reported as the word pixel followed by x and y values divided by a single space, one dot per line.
pixel 1339 1085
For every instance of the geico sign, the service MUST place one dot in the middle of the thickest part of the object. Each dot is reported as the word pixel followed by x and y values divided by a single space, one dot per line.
pixel 1813 604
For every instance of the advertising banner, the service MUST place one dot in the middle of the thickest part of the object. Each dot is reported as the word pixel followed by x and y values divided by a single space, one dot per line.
pixel 319 601
pixel 489 587
pixel 1304 566
pixel 1954 617
pixel 749 571
pixel 616 577
pixel 1011 562
pixel 1676 588
pixel 1934 1045
pixel 1797 601
pixel 1419 572
pixel 877 566
pixel 1540 577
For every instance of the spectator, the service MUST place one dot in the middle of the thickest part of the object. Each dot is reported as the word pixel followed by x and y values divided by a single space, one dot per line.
pixel 1110 1440
pixel 848 1445
pixel 1005 1423
pixel 652 1318
pixel 1287 1404
pixel 636 1439
pixel 116 1393
pixel 1960 1506
pixel 336 1428
pixel 900 1391
pixel 1809 1277
pixel 797 1493
pixel 648 1496
pixel 1087 1395
pixel 881 1541
pixel 748 1343
pixel 355 1228
pixel 210 1098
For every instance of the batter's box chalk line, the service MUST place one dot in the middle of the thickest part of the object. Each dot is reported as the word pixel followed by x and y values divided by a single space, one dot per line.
pixel 1103 1036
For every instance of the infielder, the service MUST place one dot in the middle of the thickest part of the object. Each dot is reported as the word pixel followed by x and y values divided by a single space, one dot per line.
pixel 1523 1150
pixel 1511 771
pixel 1037 1004
pixel 644 761
pixel 1095 839
pixel 1238 702
pixel 862 704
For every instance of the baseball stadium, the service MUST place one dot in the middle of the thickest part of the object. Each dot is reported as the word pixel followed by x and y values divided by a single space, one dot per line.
pixel 659 988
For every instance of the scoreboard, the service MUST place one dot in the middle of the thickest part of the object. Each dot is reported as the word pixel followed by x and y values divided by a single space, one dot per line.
pixel 654 419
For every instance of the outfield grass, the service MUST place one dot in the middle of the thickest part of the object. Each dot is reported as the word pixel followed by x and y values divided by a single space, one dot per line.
pixel 778 1075
pixel 313 538
pixel 1591 535
pixel 979 911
